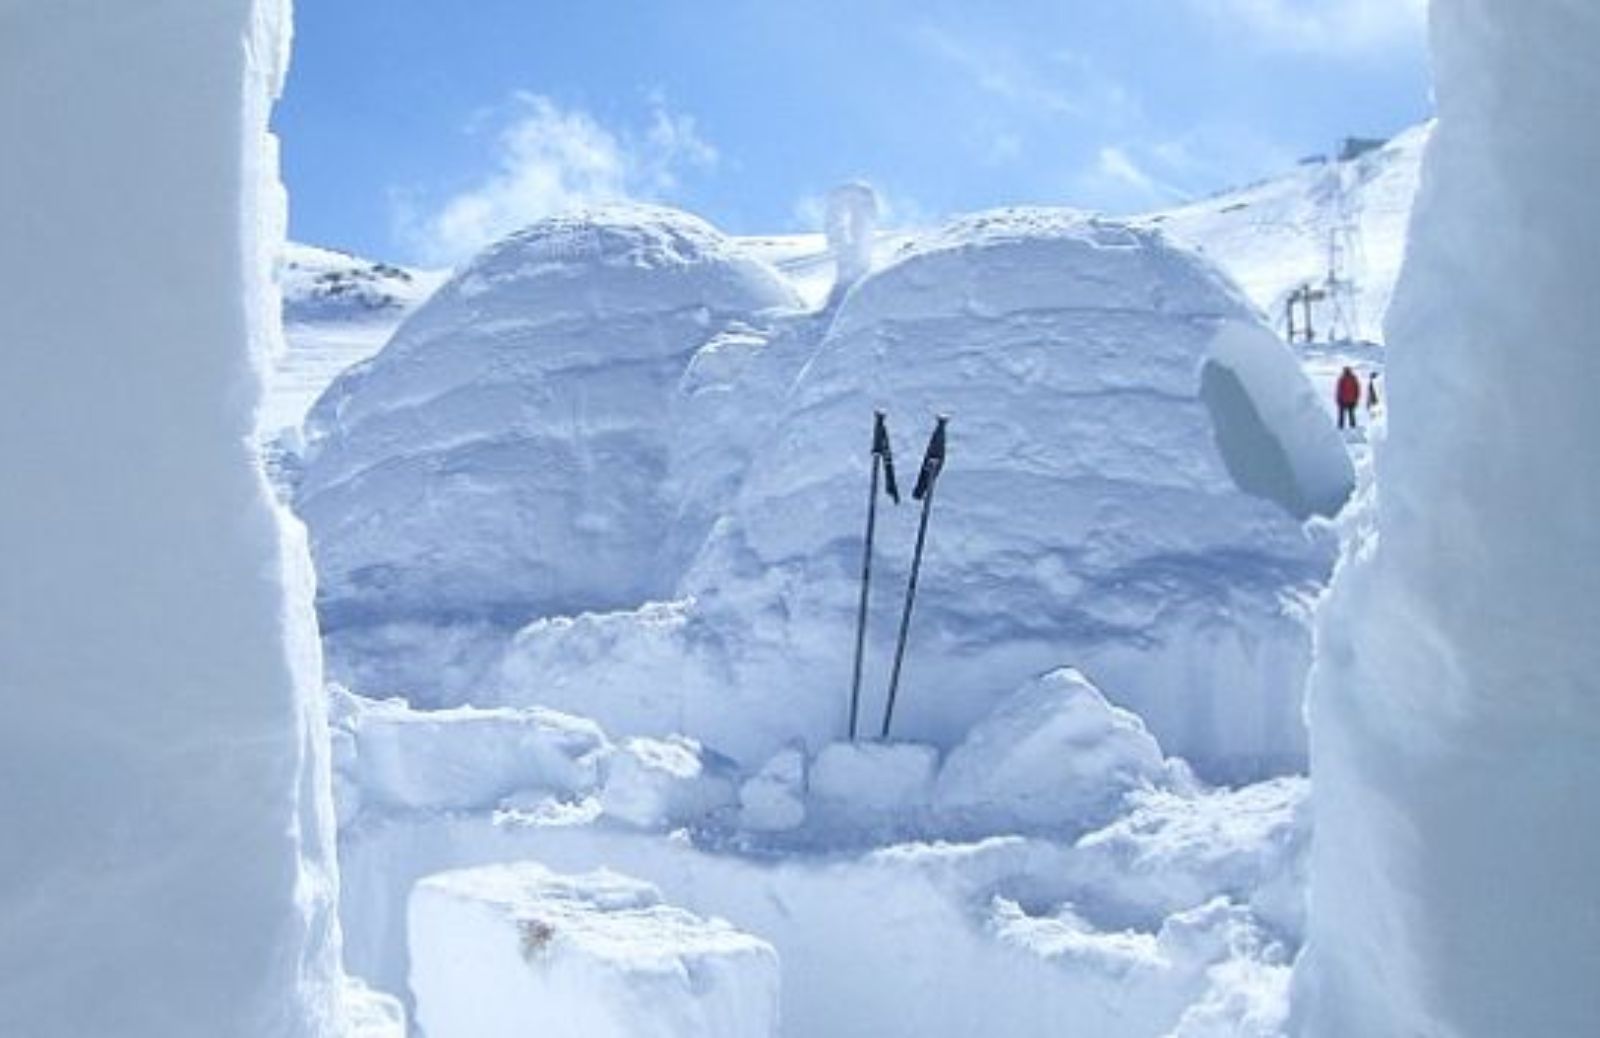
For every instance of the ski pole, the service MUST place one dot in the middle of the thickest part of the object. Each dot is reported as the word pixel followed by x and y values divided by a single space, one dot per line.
pixel 932 465
pixel 882 461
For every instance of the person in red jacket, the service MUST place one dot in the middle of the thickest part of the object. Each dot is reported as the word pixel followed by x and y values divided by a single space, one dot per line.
pixel 1348 397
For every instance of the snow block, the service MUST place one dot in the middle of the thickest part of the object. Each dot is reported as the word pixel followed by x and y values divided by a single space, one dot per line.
pixel 516 950
pixel 463 758
pixel 773 799
pixel 663 783
pixel 1055 755
pixel 866 785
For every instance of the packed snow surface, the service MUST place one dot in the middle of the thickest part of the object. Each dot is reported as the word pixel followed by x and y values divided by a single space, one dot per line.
pixel 1455 705
pixel 517 950
pixel 167 866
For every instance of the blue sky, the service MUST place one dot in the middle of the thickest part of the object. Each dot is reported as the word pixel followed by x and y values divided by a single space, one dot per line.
pixel 416 130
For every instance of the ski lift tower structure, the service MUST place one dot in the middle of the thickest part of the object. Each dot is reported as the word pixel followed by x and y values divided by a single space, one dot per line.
pixel 1338 293
pixel 1346 256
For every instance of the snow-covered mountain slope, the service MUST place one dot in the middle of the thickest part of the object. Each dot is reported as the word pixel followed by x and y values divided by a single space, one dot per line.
pixel 1275 236
pixel 338 310
pixel 1270 237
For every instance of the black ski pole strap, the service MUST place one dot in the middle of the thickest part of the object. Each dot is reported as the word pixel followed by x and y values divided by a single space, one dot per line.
pixel 932 462
pixel 880 447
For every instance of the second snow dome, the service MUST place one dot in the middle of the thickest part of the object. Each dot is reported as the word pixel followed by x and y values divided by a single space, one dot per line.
pixel 506 453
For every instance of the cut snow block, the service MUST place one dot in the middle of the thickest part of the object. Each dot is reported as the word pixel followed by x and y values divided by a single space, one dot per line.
pixel 1056 755
pixel 661 783
pixel 773 799
pixel 509 951
pixel 467 758
pixel 871 783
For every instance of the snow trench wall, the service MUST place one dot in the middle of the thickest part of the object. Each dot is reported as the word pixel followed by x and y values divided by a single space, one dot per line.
pixel 1455 704
pixel 166 867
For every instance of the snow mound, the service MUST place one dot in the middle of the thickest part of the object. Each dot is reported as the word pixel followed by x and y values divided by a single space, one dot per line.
pixel 1055 755
pixel 515 950
pixel 1213 959
pixel 1175 849
pixel 506 454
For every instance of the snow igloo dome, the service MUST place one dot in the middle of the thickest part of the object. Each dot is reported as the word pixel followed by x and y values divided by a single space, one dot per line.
pixel 505 454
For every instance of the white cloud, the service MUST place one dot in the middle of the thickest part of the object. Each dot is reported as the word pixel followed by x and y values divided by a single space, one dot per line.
pixel 1337 27
pixel 1068 85
pixel 1119 181
pixel 549 159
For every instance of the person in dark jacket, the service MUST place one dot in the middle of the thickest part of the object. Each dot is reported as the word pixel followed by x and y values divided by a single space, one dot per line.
pixel 1348 397
pixel 1373 402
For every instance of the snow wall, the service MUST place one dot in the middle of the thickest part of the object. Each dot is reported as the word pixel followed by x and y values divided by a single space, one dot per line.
pixel 1455 705
pixel 167 867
